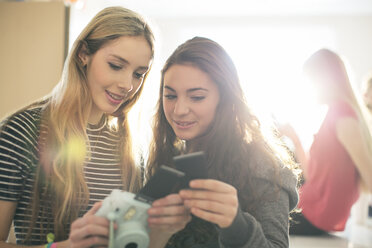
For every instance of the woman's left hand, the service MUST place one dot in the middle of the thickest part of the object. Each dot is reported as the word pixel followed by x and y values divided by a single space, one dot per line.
pixel 212 200
pixel 168 214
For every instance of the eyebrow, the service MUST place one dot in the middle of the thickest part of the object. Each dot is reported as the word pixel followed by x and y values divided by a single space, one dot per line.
pixel 189 90
pixel 126 62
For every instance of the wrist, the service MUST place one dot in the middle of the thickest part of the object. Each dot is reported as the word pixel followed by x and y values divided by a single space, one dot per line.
pixel 159 238
pixel 51 245
pixel 296 140
pixel 63 244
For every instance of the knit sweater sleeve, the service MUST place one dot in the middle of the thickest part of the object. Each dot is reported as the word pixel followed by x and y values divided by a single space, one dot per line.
pixel 267 226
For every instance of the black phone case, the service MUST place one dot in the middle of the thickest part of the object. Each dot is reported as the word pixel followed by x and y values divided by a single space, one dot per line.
pixel 194 165
pixel 165 181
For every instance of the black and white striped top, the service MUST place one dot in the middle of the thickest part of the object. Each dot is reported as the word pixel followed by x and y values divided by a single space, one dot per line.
pixel 19 159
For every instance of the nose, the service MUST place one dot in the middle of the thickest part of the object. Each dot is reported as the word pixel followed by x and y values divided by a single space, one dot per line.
pixel 125 83
pixel 181 107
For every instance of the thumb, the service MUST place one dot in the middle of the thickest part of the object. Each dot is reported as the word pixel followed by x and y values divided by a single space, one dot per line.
pixel 94 209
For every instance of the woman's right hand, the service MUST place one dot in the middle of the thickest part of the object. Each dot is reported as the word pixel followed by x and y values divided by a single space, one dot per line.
pixel 288 131
pixel 166 216
pixel 89 230
pixel 212 200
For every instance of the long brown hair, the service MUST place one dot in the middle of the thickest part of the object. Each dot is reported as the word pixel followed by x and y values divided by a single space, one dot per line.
pixel 65 118
pixel 235 146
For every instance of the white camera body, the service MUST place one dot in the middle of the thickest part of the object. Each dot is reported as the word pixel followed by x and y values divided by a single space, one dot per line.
pixel 131 218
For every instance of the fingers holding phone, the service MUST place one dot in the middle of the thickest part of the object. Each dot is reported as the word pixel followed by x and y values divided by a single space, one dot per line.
pixel 168 214
pixel 212 200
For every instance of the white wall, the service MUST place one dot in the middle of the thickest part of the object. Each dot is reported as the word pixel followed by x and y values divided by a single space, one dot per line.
pixel 33 48
pixel 271 40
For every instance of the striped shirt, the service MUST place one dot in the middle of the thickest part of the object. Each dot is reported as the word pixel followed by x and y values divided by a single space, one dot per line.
pixel 19 159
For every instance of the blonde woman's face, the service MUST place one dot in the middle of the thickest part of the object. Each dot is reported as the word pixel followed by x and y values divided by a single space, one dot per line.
pixel 115 73
pixel 190 99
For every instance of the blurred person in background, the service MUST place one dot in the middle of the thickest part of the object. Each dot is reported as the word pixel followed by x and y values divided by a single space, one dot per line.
pixel 339 162
pixel 367 97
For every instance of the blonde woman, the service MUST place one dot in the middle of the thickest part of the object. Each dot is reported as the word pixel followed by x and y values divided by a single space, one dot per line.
pixel 340 158
pixel 61 156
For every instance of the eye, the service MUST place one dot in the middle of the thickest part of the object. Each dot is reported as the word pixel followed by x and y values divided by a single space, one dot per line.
pixel 139 75
pixel 115 67
pixel 170 96
pixel 197 98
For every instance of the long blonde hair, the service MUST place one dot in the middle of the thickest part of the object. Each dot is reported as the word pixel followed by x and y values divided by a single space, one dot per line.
pixel 328 65
pixel 66 116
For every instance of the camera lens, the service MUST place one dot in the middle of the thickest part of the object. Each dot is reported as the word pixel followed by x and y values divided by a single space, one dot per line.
pixel 131 245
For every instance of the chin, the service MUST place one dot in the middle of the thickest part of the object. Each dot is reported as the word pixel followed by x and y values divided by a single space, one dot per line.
pixel 185 137
pixel 110 110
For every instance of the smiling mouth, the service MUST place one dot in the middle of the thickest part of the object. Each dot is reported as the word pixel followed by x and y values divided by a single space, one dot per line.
pixel 184 124
pixel 114 99
pixel 115 96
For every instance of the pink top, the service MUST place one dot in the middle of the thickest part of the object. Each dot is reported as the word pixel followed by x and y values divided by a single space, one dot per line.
pixel 332 186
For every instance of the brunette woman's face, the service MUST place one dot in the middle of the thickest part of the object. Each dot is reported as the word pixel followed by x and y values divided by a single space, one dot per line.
pixel 190 99
pixel 115 73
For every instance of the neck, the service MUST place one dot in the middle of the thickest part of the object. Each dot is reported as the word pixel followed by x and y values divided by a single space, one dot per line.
pixel 95 118
pixel 192 145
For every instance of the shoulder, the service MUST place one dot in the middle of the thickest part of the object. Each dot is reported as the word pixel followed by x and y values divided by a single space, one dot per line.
pixel 348 130
pixel 347 123
pixel 29 114
pixel 281 177
pixel 23 124
pixel 288 182
pixel 343 109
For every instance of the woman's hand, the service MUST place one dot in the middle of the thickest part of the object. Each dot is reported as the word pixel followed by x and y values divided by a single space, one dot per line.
pixel 89 230
pixel 168 214
pixel 288 131
pixel 212 200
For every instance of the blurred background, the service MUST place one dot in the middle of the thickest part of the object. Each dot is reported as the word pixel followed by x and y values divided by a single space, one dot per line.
pixel 267 39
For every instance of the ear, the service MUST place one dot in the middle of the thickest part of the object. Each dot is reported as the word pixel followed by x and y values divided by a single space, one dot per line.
pixel 83 54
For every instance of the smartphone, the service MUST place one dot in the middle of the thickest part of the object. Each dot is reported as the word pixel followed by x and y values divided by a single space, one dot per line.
pixel 165 181
pixel 194 165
